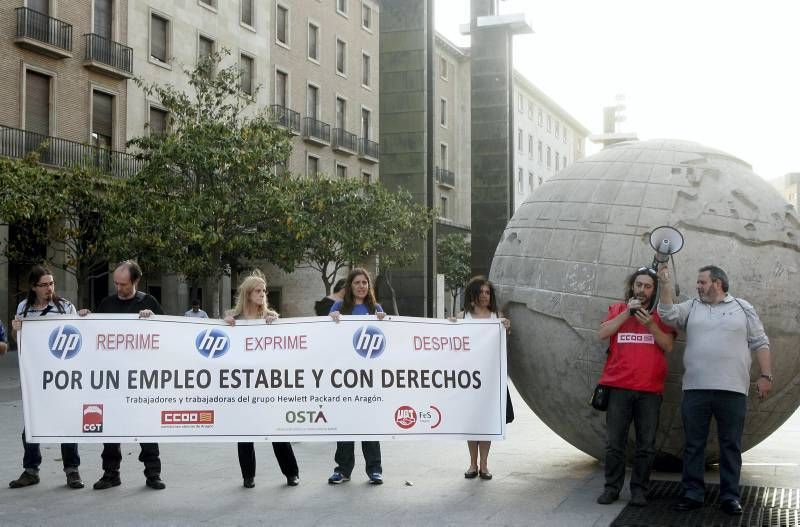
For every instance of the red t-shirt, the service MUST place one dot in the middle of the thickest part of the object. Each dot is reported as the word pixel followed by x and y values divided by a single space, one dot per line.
pixel 635 361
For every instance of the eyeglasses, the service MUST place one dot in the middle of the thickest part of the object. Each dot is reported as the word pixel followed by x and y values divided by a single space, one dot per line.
pixel 48 284
pixel 647 270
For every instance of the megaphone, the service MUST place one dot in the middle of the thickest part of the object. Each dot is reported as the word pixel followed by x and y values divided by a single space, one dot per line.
pixel 666 241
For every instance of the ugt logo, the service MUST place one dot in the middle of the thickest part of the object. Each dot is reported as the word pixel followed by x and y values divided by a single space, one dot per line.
pixel 212 343
pixel 369 342
pixel 65 342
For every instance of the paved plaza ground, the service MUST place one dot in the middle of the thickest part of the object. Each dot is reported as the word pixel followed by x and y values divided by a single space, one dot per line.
pixel 539 479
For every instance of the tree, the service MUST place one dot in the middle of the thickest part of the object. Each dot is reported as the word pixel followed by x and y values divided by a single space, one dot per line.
pixel 207 194
pixel 345 222
pixel 65 209
pixel 453 261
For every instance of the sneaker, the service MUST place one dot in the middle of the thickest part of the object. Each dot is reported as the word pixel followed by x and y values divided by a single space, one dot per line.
pixel 607 497
pixel 638 499
pixel 376 478
pixel 74 480
pixel 109 479
pixel 26 479
pixel 338 477
pixel 249 483
pixel 155 482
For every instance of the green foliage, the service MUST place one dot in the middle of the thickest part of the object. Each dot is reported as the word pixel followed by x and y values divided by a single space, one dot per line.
pixel 453 261
pixel 342 222
pixel 66 208
pixel 207 195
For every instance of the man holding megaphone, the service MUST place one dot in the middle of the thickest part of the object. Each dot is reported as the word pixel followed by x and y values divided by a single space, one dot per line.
pixel 722 334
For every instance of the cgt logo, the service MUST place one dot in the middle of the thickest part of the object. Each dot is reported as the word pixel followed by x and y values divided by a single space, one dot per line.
pixel 212 343
pixel 92 418
pixel 369 342
pixel 405 417
pixel 187 417
pixel 65 342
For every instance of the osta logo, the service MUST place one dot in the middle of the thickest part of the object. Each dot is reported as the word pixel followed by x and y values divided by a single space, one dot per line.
pixel 369 342
pixel 65 342
pixel 187 417
pixel 93 418
pixel 212 343
pixel 405 417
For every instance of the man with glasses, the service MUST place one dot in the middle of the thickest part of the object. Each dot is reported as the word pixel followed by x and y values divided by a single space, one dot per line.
pixel 634 373
pixel 43 301
pixel 128 300
pixel 722 334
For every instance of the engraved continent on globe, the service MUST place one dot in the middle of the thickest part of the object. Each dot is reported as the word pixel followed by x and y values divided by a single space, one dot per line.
pixel 565 254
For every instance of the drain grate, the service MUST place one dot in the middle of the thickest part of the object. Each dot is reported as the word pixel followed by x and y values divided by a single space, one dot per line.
pixel 762 507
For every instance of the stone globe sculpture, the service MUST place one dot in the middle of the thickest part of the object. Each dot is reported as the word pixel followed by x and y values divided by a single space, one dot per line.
pixel 565 254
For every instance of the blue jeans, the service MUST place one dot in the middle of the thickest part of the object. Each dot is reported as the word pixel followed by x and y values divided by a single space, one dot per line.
pixel 729 410
pixel 643 409
pixel 32 457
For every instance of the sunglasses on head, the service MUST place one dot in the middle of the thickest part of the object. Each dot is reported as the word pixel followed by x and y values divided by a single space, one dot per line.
pixel 647 270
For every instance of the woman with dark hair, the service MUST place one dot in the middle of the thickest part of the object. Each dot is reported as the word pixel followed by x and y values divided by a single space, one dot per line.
pixel 42 300
pixel 480 302
pixel 359 299
pixel 251 304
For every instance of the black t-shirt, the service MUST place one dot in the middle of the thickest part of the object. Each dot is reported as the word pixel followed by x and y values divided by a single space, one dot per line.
pixel 323 307
pixel 140 301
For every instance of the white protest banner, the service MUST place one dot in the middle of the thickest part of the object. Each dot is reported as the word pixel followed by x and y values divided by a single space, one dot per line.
pixel 118 378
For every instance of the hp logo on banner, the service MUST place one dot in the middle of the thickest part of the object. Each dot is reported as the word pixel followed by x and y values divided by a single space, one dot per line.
pixel 212 343
pixel 369 342
pixel 65 342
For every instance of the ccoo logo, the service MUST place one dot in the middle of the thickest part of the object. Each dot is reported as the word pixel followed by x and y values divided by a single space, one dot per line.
pixel 65 342
pixel 212 343
pixel 369 342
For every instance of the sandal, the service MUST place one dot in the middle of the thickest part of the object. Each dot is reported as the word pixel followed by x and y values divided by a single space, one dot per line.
pixel 471 474
pixel 485 475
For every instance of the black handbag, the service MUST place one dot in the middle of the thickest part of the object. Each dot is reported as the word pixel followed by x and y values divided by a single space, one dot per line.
pixel 599 400
pixel 509 408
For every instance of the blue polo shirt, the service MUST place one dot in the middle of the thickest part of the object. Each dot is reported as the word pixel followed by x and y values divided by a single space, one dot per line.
pixel 358 309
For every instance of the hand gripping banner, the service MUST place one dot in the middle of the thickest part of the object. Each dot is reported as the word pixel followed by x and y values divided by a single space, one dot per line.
pixel 118 378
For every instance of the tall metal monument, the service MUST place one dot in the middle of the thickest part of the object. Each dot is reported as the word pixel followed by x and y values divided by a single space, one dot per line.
pixel 407 114
pixel 492 143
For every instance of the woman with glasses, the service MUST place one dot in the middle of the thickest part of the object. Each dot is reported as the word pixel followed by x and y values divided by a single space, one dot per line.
pixel 42 300
pixel 251 304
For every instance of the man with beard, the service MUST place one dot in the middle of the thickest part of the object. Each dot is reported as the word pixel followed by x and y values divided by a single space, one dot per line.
pixel 128 300
pixel 634 372
pixel 41 301
pixel 722 334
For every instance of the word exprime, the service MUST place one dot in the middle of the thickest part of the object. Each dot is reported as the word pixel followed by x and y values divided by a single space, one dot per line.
pixel 276 342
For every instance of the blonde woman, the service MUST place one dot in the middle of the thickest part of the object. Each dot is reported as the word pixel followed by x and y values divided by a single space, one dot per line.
pixel 251 304
pixel 480 302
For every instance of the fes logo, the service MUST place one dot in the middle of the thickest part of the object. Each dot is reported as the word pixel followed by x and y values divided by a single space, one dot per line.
pixel 212 343
pixel 369 342
pixel 65 342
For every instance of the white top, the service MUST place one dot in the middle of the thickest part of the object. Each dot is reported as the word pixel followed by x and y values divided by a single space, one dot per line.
pixel 467 315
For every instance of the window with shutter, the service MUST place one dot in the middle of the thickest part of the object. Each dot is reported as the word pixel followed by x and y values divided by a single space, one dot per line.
pixel 205 47
pixel 102 118
pixel 103 18
pixel 42 6
pixel 281 22
pixel 281 85
pixel 247 12
pixel 37 103
pixel 158 38
pixel 158 121
pixel 246 80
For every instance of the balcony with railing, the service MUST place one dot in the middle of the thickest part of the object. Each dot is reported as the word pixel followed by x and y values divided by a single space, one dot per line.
pixel 344 141
pixel 57 152
pixel 445 178
pixel 106 56
pixel 43 34
pixel 315 131
pixel 368 150
pixel 285 117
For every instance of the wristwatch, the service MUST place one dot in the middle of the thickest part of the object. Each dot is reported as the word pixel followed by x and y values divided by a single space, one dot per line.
pixel 769 377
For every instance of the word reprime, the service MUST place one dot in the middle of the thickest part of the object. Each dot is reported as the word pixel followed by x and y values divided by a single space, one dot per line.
pixel 128 341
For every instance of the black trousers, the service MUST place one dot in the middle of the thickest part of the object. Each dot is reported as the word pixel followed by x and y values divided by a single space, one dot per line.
pixel 283 453
pixel 345 457
pixel 112 457
pixel 32 456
